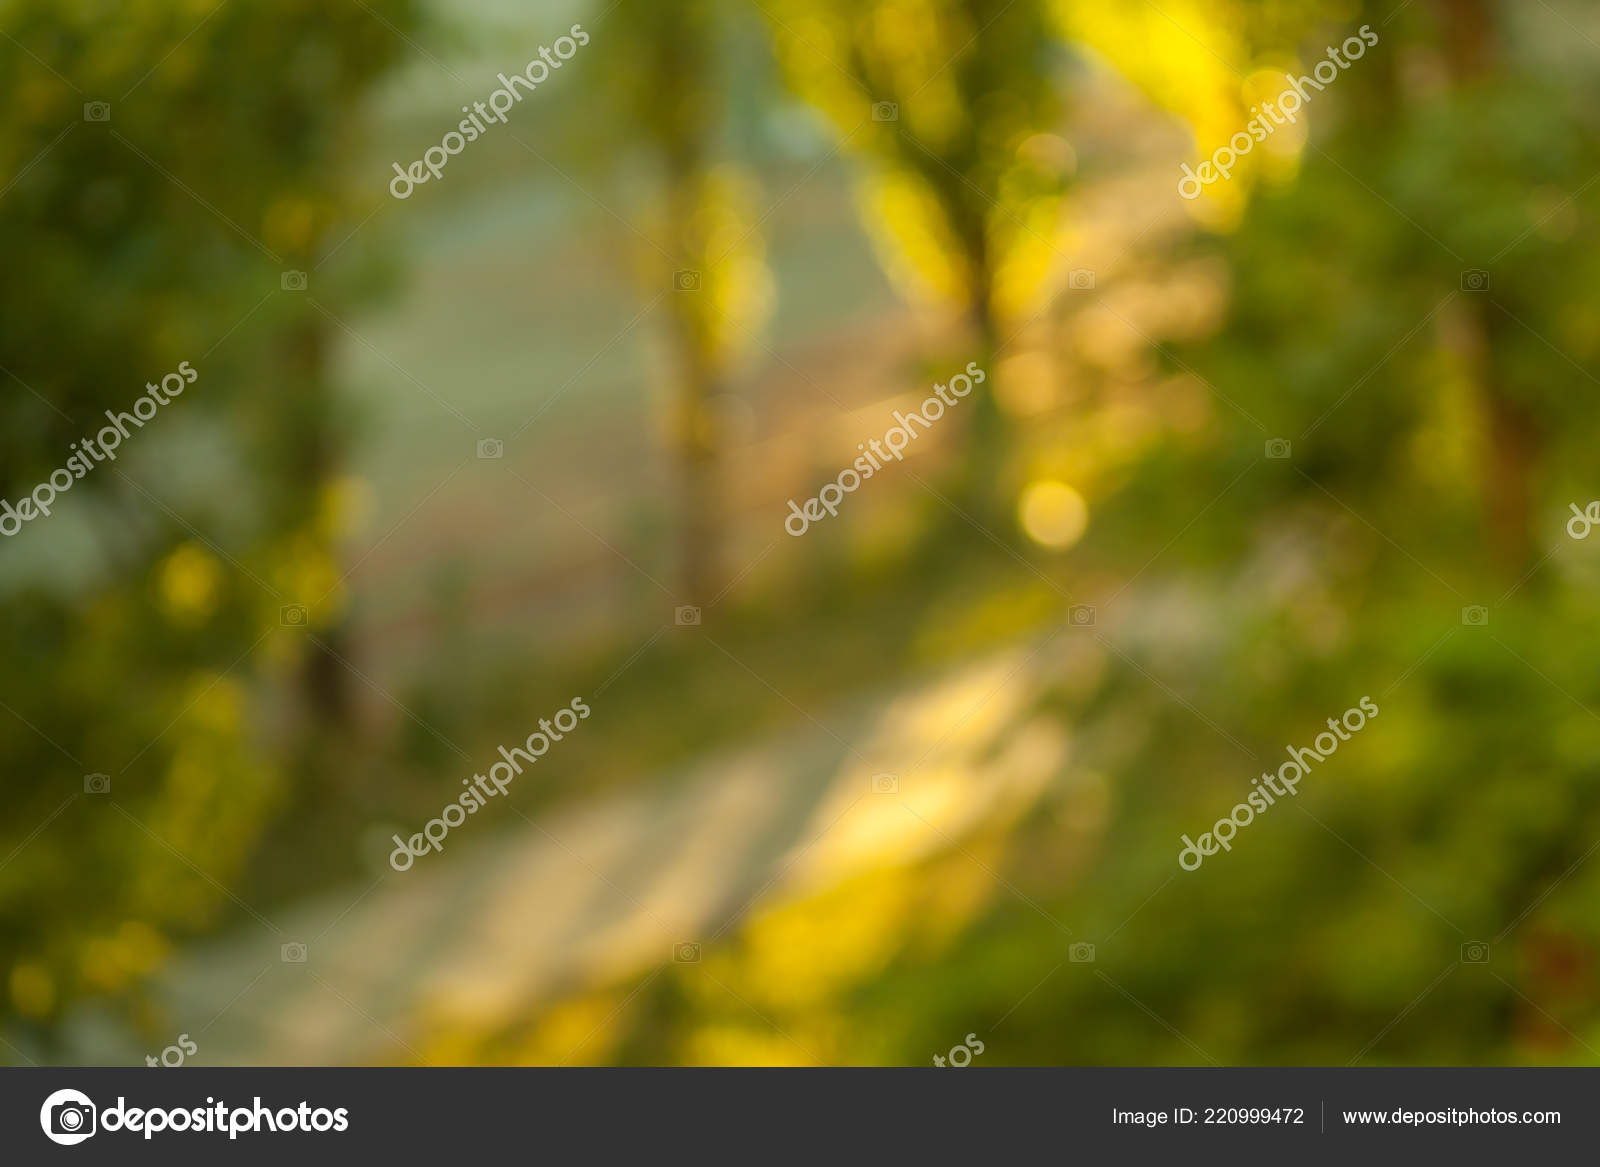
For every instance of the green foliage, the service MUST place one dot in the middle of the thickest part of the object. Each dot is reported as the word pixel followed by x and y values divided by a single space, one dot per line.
pixel 146 650
pixel 951 105
pixel 1439 426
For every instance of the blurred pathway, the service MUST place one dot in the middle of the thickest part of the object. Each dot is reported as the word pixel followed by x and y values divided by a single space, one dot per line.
pixel 504 920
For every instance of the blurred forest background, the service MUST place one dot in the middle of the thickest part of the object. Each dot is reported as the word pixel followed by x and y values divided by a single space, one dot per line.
pixel 920 773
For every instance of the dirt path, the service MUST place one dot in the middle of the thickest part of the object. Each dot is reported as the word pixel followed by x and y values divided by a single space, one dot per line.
pixel 511 916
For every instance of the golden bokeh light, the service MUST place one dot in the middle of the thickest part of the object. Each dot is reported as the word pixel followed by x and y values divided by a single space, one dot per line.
pixel 1053 514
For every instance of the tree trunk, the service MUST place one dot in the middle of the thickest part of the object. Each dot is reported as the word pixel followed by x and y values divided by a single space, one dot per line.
pixel 694 423
pixel 313 454
pixel 1470 44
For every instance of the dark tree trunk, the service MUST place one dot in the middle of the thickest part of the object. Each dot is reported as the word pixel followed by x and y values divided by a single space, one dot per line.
pixel 1470 40
pixel 314 454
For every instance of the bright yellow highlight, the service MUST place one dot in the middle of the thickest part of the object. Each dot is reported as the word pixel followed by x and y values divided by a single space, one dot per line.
pixel 190 585
pixel 1053 514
